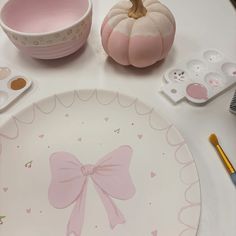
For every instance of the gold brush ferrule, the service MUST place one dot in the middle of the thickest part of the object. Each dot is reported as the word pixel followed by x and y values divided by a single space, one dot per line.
pixel 225 160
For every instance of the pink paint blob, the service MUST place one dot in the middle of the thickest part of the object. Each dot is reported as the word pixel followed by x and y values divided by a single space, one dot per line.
pixel 197 91
pixel 152 174
pixel 154 233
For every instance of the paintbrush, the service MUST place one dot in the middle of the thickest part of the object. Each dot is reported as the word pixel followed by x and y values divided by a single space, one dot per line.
pixel 229 167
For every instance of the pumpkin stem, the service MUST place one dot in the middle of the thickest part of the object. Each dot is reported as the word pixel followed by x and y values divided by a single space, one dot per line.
pixel 137 10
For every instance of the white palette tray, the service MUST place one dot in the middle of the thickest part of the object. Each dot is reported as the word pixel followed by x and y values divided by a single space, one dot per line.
pixel 12 84
pixel 200 79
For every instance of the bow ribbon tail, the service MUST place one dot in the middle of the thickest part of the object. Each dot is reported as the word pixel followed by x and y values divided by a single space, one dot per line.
pixel 114 214
pixel 76 221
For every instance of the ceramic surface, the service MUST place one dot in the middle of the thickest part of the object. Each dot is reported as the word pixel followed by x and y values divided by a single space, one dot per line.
pixel 47 29
pixel 96 162
pixel 139 42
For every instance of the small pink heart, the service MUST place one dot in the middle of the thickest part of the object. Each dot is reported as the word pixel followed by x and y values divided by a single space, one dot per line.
pixel 154 233
pixel 28 210
pixel 153 174
pixel 140 136
pixel 106 119
pixel 41 136
pixel 5 189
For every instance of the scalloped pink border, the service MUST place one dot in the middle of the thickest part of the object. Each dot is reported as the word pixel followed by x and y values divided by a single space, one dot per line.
pixel 134 103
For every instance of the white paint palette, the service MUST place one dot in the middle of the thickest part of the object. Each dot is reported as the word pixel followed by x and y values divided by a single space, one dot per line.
pixel 200 79
pixel 12 85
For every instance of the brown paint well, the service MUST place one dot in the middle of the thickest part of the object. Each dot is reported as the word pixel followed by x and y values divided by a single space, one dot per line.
pixel 18 84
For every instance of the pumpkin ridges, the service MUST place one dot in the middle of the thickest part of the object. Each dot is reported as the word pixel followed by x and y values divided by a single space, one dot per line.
pixel 128 36
pixel 111 13
pixel 140 54
pixel 162 43
pixel 150 29
pixel 143 51
pixel 118 51
pixel 130 33
pixel 105 27
pixel 153 4
pixel 166 44
pixel 139 42
pixel 117 12
pixel 113 28
pixel 104 23
pixel 105 36
pixel 110 17
pixel 115 22
pixel 168 24
pixel 164 10
pixel 146 3
pixel 122 6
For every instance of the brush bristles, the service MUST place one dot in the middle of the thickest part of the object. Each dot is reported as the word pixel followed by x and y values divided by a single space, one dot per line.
pixel 213 139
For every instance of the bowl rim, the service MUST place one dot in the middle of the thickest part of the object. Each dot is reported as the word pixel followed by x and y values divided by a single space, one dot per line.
pixel 4 26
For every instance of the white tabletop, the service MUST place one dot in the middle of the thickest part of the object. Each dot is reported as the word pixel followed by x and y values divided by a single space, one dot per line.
pixel 201 24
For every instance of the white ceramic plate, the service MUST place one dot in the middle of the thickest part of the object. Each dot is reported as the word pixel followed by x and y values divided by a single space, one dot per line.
pixel 142 179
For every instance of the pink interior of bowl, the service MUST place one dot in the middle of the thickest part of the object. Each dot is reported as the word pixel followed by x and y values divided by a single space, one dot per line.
pixel 42 16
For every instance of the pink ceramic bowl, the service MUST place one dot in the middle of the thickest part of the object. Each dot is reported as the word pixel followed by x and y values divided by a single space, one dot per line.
pixel 47 29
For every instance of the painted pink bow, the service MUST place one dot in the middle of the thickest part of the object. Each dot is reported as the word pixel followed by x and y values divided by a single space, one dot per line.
pixel 110 176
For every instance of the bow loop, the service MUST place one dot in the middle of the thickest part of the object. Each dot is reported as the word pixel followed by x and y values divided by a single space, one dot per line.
pixel 111 179
pixel 112 173
pixel 67 179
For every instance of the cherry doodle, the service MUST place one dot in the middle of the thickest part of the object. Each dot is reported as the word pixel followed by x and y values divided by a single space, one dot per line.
pixel 29 164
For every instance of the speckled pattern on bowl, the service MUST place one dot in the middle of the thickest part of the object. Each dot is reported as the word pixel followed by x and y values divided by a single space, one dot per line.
pixel 47 29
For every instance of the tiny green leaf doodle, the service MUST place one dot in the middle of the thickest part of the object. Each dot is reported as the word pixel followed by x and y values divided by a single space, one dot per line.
pixel 1 218
pixel 117 131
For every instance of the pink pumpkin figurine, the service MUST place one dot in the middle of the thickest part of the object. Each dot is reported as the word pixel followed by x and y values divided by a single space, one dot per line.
pixel 138 33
